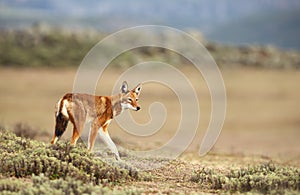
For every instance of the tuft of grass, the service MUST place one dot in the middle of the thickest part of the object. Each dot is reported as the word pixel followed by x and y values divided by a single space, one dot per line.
pixel 263 178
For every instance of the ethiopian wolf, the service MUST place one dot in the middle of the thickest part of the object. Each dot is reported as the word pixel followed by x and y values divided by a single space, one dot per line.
pixel 98 110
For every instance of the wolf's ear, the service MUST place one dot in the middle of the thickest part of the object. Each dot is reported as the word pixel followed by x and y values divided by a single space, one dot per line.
pixel 124 87
pixel 137 89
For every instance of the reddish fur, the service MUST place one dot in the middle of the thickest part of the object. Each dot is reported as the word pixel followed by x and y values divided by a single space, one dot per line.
pixel 99 109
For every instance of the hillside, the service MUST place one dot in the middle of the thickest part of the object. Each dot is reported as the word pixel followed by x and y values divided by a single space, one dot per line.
pixel 44 46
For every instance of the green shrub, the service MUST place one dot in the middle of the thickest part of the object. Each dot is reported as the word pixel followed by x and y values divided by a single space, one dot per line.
pixel 22 158
pixel 263 178
pixel 11 185
pixel 43 185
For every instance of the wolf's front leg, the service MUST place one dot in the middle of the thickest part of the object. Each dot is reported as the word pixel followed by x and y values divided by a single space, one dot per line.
pixel 106 138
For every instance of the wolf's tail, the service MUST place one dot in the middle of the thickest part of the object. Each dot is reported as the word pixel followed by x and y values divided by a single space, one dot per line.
pixel 62 119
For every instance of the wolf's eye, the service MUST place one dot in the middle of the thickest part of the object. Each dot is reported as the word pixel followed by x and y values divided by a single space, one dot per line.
pixel 129 100
pixel 136 99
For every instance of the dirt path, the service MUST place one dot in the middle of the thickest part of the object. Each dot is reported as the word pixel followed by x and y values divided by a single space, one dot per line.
pixel 175 176
pixel 172 178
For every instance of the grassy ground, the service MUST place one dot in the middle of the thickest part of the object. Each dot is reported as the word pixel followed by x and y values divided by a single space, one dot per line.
pixel 32 167
pixel 262 125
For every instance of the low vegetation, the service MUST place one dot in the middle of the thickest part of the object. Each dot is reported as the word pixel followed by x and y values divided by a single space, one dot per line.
pixel 38 48
pixel 32 167
pixel 263 178
pixel 52 47
pixel 22 158
pixel 43 185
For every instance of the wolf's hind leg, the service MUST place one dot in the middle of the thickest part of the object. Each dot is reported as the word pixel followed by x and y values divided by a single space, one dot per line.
pixel 78 125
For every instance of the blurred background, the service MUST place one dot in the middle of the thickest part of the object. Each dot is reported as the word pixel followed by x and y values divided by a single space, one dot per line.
pixel 255 44
pixel 274 22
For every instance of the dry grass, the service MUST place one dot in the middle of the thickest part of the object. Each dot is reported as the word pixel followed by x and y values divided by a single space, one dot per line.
pixel 262 109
